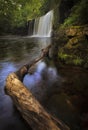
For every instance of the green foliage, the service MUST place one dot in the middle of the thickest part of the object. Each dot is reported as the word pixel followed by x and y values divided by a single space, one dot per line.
pixel 15 13
pixel 70 58
pixel 49 5
pixel 78 61
pixel 64 56
pixel 79 14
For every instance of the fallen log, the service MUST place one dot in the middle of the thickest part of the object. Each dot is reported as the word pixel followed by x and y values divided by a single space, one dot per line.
pixel 24 70
pixel 31 110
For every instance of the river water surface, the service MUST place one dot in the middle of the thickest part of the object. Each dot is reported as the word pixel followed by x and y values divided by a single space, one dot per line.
pixel 14 53
pixel 60 91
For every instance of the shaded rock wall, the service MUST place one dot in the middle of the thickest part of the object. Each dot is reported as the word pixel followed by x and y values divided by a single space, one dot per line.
pixel 72 44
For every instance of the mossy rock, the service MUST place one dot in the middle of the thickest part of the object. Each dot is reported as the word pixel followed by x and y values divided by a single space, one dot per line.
pixel 72 43
pixel 76 41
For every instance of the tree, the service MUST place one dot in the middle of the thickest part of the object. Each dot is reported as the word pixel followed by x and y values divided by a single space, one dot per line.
pixel 15 13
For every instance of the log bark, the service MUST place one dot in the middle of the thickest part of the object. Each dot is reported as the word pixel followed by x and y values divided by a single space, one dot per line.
pixel 31 110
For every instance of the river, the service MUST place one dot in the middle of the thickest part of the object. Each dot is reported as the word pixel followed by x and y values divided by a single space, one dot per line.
pixel 62 91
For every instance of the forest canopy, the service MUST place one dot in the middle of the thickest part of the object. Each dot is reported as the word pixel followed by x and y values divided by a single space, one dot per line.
pixel 16 13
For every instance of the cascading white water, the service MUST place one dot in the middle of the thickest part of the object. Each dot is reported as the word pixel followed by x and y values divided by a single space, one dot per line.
pixel 43 25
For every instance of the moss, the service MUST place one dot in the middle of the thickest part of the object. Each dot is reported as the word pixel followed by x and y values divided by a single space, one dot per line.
pixel 70 58
pixel 72 45
pixel 64 56
pixel 78 61
pixel 78 15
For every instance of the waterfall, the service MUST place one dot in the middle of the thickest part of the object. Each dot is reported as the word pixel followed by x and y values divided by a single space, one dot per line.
pixel 43 25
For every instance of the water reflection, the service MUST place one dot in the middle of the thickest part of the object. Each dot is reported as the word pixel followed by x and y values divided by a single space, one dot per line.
pixel 44 83
pixel 15 50
pixel 5 69
pixel 14 53
pixel 44 42
pixel 42 80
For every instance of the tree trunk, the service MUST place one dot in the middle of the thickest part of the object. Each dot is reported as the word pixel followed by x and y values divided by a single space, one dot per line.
pixel 30 109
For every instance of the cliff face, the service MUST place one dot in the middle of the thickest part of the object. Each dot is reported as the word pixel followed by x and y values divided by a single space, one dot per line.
pixel 72 45
pixel 71 35
pixel 70 49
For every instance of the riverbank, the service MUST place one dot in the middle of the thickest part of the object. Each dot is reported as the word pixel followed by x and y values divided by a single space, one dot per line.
pixel 70 54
